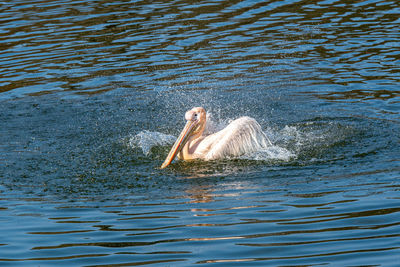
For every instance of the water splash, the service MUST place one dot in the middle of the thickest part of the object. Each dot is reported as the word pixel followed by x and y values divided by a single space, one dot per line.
pixel 213 126
pixel 146 140
pixel 303 141
pixel 274 152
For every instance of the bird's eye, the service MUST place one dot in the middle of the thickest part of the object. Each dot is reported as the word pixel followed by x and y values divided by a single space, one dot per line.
pixel 195 115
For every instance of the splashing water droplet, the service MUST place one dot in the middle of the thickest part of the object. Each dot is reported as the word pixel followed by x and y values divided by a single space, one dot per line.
pixel 145 140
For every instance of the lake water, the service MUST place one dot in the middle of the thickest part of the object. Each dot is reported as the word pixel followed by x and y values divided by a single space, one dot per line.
pixel 93 93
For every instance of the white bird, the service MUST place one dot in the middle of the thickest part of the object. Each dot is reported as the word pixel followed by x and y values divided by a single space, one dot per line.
pixel 243 135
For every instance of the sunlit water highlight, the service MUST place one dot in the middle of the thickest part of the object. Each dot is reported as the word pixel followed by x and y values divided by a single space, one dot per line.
pixel 93 94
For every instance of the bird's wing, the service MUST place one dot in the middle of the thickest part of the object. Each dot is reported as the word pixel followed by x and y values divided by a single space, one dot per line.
pixel 242 136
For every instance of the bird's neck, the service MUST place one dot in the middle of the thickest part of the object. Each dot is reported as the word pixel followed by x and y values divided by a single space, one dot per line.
pixel 187 152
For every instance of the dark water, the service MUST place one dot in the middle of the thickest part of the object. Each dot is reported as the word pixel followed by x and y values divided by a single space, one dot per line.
pixel 91 93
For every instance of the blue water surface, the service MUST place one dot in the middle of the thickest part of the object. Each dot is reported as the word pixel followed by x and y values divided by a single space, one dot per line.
pixel 93 94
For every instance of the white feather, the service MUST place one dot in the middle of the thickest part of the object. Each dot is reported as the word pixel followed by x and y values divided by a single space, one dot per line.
pixel 243 135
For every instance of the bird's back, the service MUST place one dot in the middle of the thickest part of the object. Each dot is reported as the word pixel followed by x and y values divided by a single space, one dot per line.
pixel 243 135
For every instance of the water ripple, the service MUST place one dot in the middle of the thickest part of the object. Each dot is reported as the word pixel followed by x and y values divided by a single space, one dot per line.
pixel 68 47
pixel 93 92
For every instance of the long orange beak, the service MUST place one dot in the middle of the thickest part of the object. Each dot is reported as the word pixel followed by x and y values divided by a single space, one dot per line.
pixel 179 143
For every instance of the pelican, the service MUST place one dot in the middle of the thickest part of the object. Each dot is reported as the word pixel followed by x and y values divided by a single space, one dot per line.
pixel 243 135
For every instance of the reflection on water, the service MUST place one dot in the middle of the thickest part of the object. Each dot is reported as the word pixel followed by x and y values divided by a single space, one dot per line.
pixel 93 47
pixel 271 224
pixel 92 94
